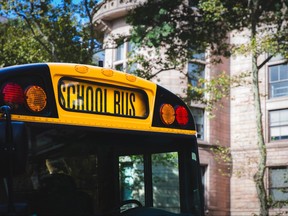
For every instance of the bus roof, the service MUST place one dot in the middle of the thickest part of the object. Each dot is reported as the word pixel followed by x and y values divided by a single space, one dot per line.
pixel 84 95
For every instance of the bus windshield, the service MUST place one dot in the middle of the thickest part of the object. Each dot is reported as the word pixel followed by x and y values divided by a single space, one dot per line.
pixel 119 157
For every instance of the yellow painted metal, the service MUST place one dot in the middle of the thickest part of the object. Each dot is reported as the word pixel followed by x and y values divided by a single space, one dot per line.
pixel 93 74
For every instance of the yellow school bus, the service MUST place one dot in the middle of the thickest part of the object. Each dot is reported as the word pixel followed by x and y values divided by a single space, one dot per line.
pixel 85 140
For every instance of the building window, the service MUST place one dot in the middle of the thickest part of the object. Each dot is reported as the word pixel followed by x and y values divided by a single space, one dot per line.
pixel 195 72
pixel 119 67
pixel 130 47
pixel 278 80
pixel 122 54
pixel 278 124
pixel 130 68
pixel 198 115
pixel 278 184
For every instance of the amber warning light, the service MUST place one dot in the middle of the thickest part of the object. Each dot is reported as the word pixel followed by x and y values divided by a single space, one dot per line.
pixel 34 97
pixel 170 114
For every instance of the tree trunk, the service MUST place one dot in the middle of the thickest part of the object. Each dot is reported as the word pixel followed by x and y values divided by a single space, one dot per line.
pixel 259 175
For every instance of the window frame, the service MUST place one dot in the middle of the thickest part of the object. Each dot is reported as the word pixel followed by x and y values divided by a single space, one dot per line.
pixel 279 80
pixel 202 138
pixel 196 71
pixel 120 52
pixel 270 187
pixel 281 138
pixel 125 55
pixel 194 80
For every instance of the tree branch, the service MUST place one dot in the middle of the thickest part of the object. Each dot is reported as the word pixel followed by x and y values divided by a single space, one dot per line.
pixel 51 51
pixel 264 62
pixel 159 71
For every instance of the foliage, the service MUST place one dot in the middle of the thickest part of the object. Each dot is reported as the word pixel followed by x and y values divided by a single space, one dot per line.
pixel 218 88
pixel 180 31
pixel 55 31
pixel 222 156
pixel 18 45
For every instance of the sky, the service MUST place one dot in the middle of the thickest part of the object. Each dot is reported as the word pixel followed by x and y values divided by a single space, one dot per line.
pixel 58 1
pixel 75 1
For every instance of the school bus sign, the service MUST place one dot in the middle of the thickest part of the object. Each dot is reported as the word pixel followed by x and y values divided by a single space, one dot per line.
pixel 99 98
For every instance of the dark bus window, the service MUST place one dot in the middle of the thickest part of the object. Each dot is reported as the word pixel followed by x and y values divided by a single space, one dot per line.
pixel 165 175
pixel 132 179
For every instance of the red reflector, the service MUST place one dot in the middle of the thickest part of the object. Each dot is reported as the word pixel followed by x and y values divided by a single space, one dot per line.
pixel 13 94
pixel 181 115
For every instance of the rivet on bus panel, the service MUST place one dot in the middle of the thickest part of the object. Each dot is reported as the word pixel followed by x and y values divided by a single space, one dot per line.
pixel 81 69
pixel 131 77
pixel 107 72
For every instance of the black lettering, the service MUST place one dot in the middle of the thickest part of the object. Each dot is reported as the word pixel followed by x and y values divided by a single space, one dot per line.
pixel 61 97
pixel 117 102
pixel 69 89
pixel 122 103
pixel 105 100
pixel 95 98
pixel 98 98
pixel 80 97
pixel 132 100
pixel 89 98
pixel 126 100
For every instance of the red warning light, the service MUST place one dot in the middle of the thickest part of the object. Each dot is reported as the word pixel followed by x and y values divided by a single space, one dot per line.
pixel 181 115
pixel 13 94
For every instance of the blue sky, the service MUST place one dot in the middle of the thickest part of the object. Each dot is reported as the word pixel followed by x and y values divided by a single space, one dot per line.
pixel 58 1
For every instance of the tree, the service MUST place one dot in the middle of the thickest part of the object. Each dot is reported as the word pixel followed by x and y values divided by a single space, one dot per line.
pixel 18 46
pixel 184 28
pixel 58 32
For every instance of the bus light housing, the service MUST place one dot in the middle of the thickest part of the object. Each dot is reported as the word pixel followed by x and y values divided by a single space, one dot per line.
pixel 36 99
pixel 170 115
pixel 12 94
pixel 28 90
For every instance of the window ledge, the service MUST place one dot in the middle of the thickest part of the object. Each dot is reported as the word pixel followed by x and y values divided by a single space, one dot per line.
pixel 278 144
pixel 277 103
pixel 276 99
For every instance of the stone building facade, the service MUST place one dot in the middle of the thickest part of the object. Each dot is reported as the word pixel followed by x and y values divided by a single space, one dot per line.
pixel 274 102
pixel 227 192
